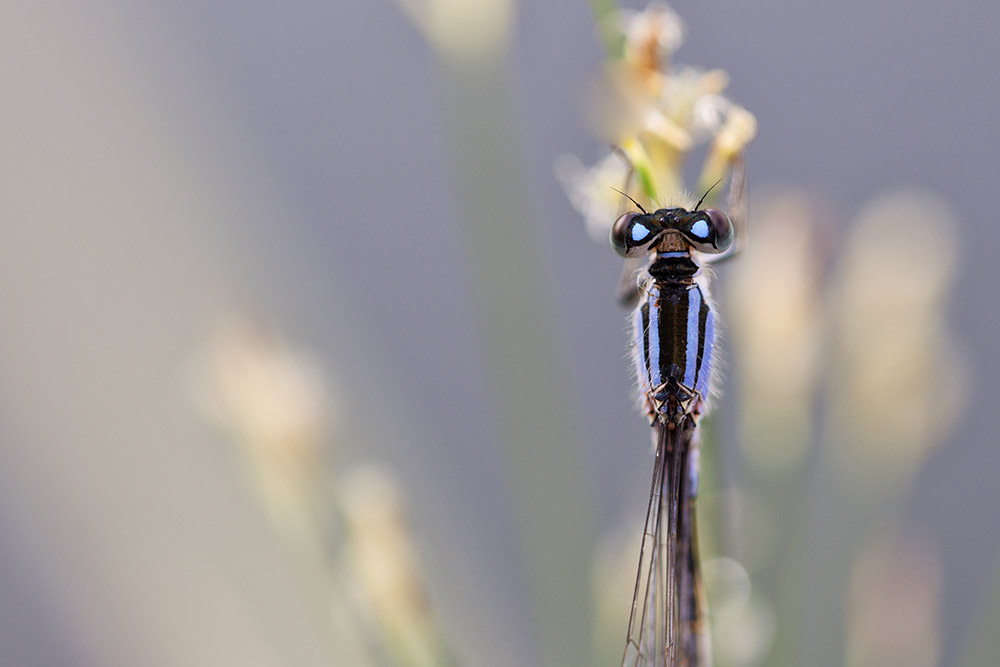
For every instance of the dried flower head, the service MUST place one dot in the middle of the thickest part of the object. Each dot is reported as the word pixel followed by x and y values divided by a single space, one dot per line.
pixel 274 404
pixel 775 314
pixel 898 379
pixel 384 559
pixel 657 113
pixel 251 383
pixel 652 36
pixel 466 33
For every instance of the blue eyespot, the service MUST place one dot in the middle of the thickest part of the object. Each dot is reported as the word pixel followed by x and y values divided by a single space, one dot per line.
pixel 639 232
pixel 700 229
pixel 633 233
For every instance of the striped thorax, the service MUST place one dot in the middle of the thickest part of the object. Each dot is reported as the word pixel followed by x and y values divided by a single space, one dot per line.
pixel 674 338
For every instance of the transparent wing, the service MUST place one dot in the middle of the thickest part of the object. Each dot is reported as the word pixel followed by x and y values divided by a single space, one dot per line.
pixel 667 626
pixel 653 620
pixel 628 289
pixel 737 207
pixel 737 201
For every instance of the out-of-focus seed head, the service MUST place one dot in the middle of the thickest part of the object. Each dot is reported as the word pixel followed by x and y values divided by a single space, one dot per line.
pixel 384 558
pixel 898 379
pixel 657 114
pixel 251 383
pixel 592 190
pixel 274 404
pixel 652 36
pixel 468 34
pixel 775 314
pixel 894 606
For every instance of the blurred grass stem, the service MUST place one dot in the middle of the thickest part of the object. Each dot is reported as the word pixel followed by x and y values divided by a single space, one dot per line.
pixel 981 645
pixel 519 338
pixel 606 18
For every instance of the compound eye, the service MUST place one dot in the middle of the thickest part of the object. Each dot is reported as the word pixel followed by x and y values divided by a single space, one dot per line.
pixel 633 234
pixel 710 231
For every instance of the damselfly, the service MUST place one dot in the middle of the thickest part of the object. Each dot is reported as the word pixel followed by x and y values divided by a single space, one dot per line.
pixel 674 331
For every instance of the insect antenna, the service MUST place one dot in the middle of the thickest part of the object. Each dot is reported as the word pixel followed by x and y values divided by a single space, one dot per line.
pixel 704 195
pixel 632 200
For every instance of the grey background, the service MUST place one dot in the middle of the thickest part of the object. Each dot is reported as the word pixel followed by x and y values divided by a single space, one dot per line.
pixel 162 161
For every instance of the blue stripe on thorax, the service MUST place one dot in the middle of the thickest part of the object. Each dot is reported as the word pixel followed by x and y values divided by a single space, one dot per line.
pixel 654 337
pixel 691 352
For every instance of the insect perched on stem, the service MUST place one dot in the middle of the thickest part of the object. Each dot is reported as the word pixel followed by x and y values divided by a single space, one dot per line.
pixel 656 115
pixel 674 333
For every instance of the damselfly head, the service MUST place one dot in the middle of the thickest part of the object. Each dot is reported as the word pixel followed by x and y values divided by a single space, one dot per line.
pixel 709 231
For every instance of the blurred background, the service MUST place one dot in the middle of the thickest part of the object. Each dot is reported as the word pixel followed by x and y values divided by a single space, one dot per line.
pixel 209 209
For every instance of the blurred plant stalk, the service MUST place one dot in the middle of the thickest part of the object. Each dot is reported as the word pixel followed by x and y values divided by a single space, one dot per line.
pixel 518 334
pixel 847 380
pixel 349 534
pixel 981 645
pixel 656 115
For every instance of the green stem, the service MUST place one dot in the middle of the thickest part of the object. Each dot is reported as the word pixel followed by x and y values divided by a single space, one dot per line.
pixel 519 337
pixel 605 12
pixel 981 645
